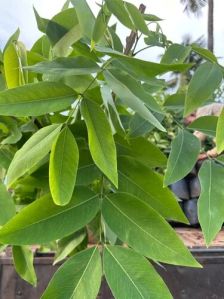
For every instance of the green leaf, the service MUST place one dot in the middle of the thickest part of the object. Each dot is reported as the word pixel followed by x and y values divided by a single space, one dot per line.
pixel 130 275
pixel 205 53
pixel 185 149
pixel 6 155
pixel 133 95
pixel 141 181
pixel 141 69
pixel 32 152
pixel 145 230
pixel 68 244
pixel 85 16
pixel 142 150
pixel 206 79
pixel 101 23
pixel 14 131
pixel 118 9
pixel 36 99
pixel 211 200
pixel 137 18
pixel 176 54
pixel 64 159
pixel 101 141
pixel 63 46
pixel 56 222
pixel 175 101
pixel 205 124
pixel 23 262
pixel 151 18
pixel 66 66
pixel 219 133
pixel 7 207
pixel 79 277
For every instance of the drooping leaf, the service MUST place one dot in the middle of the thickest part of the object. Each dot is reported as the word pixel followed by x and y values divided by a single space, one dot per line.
pixel 66 245
pixel 205 53
pixel 141 181
pixel 185 149
pixel 101 141
pixel 101 23
pixel 142 150
pixel 68 66
pixel 7 153
pixel 80 277
pixel 145 230
pixel 211 200
pixel 56 222
pixel 205 124
pixel 220 133
pixel 36 99
pixel 7 207
pixel 63 46
pixel 137 18
pixel 133 95
pixel 206 79
pixel 117 8
pixel 64 159
pixel 130 275
pixel 176 54
pixel 32 152
pixel 23 262
pixel 141 69
pixel 85 17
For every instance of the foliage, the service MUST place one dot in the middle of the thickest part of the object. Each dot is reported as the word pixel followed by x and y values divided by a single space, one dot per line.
pixel 78 129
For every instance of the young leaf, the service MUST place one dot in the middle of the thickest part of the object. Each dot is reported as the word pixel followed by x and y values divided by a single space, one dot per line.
pixel 211 200
pixel 101 22
pixel 68 244
pixel 101 141
pixel 32 152
pixel 130 275
pixel 79 277
pixel 12 66
pixel 85 16
pixel 141 181
pixel 176 54
pixel 23 262
pixel 130 91
pixel 205 124
pixel 220 133
pixel 145 230
pixel 68 66
pixel 56 222
pixel 64 159
pixel 185 149
pixel 7 207
pixel 137 18
pixel 36 99
pixel 142 150
pixel 206 79
pixel 117 8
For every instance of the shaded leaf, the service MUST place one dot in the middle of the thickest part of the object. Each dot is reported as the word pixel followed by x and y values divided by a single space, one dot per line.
pixel 206 79
pixel 176 54
pixel 185 149
pixel 205 124
pixel 7 207
pixel 141 181
pixel 211 200
pixel 23 262
pixel 220 133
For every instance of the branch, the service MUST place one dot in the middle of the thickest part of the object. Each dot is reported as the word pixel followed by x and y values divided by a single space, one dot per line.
pixel 130 40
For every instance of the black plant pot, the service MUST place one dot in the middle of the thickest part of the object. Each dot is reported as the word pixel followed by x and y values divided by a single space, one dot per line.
pixel 183 282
